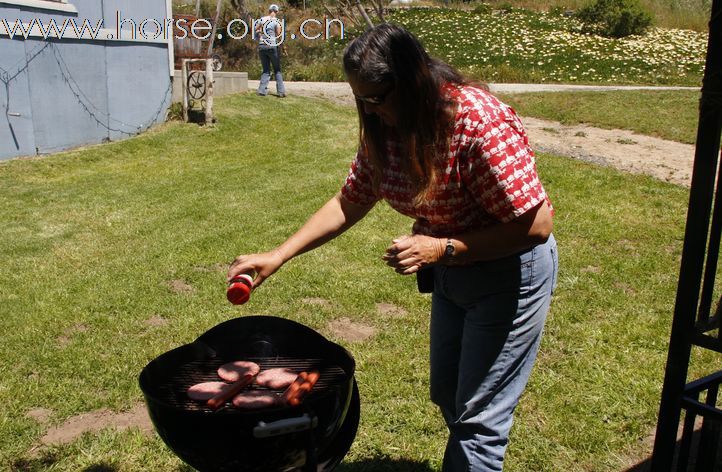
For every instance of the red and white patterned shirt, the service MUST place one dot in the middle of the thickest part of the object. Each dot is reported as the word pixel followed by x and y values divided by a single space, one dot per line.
pixel 490 175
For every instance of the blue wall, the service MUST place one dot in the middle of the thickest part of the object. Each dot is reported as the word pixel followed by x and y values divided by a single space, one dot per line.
pixel 59 94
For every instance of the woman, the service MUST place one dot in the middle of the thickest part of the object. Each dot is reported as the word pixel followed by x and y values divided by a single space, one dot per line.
pixel 455 159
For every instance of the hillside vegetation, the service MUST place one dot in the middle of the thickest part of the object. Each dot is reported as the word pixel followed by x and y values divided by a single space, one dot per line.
pixel 502 42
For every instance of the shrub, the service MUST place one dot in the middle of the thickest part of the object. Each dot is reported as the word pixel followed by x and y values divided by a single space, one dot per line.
pixel 615 18
pixel 175 112
pixel 482 9
pixel 506 7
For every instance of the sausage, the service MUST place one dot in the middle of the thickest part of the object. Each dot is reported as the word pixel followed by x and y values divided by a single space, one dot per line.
pixel 291 390
pixel 229 392
pixel 300 393
pixel 233 371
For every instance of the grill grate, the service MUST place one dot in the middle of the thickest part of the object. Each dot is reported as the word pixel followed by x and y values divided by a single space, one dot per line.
pixel 173 390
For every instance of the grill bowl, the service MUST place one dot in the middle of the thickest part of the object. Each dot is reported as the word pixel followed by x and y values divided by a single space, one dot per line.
pixel 224 440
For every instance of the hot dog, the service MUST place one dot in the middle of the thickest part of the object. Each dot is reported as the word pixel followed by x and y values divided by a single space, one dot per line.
pixel 291 390
pixel 231 391
pixel 297 396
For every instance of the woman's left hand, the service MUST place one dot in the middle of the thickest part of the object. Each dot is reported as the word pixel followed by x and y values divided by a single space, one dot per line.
pixel 408 254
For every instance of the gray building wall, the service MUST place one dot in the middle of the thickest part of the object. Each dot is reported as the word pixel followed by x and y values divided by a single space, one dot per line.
pixel 57 94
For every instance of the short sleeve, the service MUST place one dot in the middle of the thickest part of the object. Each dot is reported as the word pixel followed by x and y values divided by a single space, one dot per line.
pixel 501 171
pixel 359 187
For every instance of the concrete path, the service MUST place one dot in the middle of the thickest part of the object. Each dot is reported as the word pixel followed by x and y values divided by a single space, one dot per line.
pixel 666 160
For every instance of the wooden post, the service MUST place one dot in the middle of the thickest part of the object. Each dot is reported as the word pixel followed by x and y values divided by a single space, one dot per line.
pixel 365 16
pixel 209 92
pixel 184 88
pixel 215 25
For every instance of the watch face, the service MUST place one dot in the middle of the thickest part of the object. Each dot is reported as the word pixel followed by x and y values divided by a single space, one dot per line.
pixel 449 248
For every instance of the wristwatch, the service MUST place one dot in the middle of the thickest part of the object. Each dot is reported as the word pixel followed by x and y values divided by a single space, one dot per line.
pixel 450 249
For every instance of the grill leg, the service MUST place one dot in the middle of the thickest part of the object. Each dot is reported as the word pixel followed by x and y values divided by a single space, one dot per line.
pixel 311 457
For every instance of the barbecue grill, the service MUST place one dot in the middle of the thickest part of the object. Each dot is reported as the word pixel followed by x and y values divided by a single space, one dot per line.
pixel 313 436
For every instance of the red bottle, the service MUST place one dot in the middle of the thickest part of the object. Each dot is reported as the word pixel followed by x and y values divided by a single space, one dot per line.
pixel 239 289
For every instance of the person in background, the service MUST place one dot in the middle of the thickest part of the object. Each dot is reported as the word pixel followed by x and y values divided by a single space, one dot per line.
pixel 270 32
pixel 455 159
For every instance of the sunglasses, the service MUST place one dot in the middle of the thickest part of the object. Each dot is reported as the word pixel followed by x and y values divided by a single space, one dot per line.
pixel 373 99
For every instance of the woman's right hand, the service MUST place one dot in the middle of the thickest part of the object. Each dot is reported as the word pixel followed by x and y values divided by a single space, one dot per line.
pixel 263 264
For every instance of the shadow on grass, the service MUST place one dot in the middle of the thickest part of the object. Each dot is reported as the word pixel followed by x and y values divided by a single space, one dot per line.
pixel 383 464
pixel 369 465
pixel 100 468
pixel 43 462
pixel 691 466
pixel 47 460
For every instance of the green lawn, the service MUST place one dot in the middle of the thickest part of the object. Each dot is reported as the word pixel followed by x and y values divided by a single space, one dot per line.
pixel 668 114
pixel 115 254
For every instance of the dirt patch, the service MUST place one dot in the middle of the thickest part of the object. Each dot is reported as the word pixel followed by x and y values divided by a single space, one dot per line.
pixel 41 415
pixel 389 309
pixel 70 332
pixel 94 421
pixel 624 288
pixel 156 321
pixel 351 331
pixel 624 150
pixel 322 302
pixel 181 286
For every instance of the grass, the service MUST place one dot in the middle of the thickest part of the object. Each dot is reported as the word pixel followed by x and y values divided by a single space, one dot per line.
pixel 670 114
pixel 94 241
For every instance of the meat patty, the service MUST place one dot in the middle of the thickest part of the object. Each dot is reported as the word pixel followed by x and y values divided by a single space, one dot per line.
pixel 276 378
pixel 233 371
pixel 254 399
pixel 206 390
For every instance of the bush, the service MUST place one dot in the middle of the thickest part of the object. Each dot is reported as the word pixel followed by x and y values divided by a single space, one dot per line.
pixel 615 18
pixel 482 9
pixel 175 112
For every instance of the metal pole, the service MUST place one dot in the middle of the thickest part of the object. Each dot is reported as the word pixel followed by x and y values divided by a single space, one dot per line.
pixel 693 252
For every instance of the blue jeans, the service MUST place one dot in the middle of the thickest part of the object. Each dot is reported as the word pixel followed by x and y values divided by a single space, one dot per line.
pixel 270 56
pixel 486 326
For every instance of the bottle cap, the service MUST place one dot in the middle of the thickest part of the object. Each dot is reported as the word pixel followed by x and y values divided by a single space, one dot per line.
pixel 239 289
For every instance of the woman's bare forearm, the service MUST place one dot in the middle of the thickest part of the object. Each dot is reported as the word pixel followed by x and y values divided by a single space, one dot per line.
pixel 331 220
pixel 530 229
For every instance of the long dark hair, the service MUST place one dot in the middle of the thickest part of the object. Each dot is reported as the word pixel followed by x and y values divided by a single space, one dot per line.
pixel 388 54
